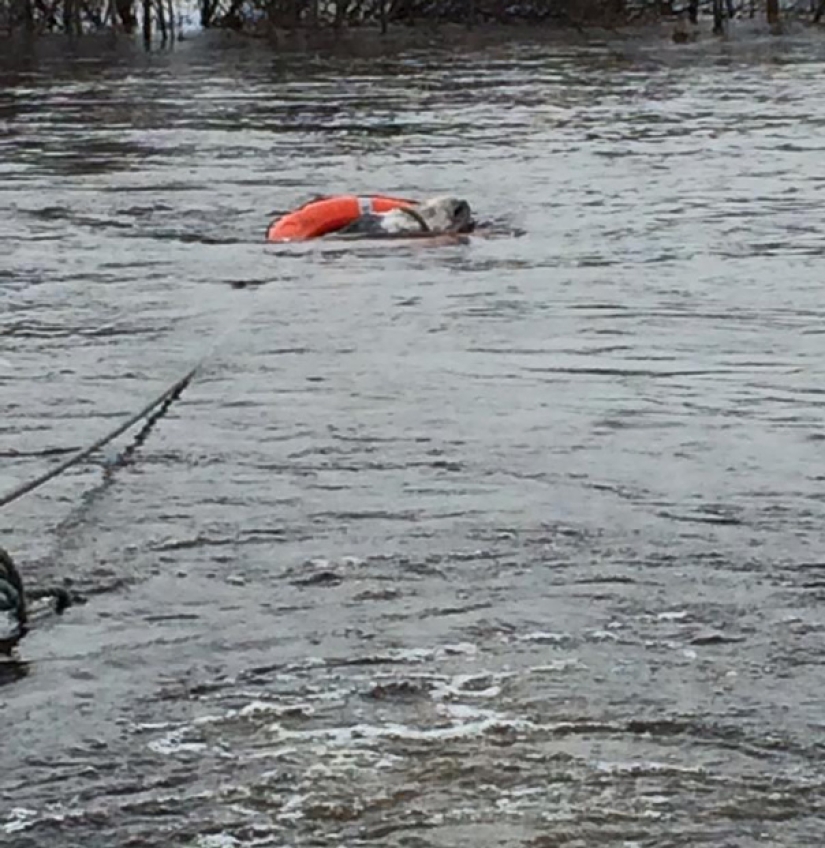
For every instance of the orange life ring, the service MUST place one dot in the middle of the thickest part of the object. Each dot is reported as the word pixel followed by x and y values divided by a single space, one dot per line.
pixel 328 214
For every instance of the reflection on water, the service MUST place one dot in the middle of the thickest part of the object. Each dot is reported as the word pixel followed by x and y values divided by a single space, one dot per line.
pixel 507 542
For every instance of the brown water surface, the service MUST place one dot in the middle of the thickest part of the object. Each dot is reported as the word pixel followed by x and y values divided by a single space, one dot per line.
pixel 509 543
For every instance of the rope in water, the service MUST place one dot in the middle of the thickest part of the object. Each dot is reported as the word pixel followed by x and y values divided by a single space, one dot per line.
pixel 168 394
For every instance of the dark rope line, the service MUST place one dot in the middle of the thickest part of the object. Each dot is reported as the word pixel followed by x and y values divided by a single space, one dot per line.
pixel 169 394
pixel 143 434
pixel 416 216
pixel 90 497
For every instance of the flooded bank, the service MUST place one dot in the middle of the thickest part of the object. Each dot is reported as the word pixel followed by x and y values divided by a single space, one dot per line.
pixel 514 542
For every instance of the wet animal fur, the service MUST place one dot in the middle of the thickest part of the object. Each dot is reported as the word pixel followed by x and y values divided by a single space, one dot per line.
pixel 13 616
pixel 437 215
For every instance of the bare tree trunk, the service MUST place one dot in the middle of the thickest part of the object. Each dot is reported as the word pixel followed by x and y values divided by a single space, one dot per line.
pixel 208 9
pixel 471 13
pixel 693 11
pixel 772 10
pixel 718 18
pixel 28 16
pixel 172 20
pixel 820 11
pixel 126 10
pixel 147 22
pixel 161 13
pixel 382 14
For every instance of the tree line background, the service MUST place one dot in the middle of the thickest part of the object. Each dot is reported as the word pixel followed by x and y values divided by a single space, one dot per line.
pixel 160 18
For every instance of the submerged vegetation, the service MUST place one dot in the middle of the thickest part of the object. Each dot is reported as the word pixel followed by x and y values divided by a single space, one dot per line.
pixel 162 18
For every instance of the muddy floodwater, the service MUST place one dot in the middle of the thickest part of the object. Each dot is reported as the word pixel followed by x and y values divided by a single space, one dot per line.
pixel 517 542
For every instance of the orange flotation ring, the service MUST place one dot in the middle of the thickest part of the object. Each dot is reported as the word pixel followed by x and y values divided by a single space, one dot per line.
pixel 328 214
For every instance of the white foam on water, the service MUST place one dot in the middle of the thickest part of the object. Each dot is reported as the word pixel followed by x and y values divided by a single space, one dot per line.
pixel 308 662
pixel 257 707
pixel 332 695
pixel 272 755
pixel 644 766
pixel 20 818
pixel 416 655
pixel 516 801
pixel 352 561
pixel 411 655
pixel 365 734
pixel 291 810
pixel 26 818
pixel 323 562
pixel 603 636
pixel 465 711
pixel 455 687
pixel 388 761
pixel 558 665
pixel 153 725
pixel 544 637
pixel 217 840
pixel 672 616
pixel 173 743
pixel 443 687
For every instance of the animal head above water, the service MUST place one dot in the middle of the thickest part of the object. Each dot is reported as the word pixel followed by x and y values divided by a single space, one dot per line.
pixel 446 214
pixel 436 215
